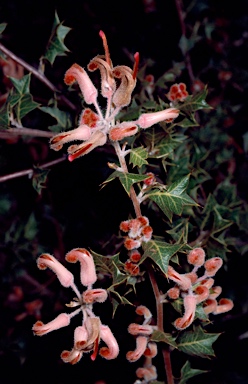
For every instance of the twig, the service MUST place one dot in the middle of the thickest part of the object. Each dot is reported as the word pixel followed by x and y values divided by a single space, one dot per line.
pixel 29 172
pixel 160 323
pixel 7 133
pixel 36 73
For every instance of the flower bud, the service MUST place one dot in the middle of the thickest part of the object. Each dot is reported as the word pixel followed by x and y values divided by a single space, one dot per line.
pixel 122 130
pixel 88 271
pixel 95 295
pixel 196 257
pixel 212 266
pixel 142 310
pixel 72 356
pixel 215 292
pixel 183 281
pixel 223 306
pixel 77 73
pixel 189 302
pixel 209 306
pixel 112 349
pixel 137 329
pixel 173 293
pixel 40 329
pixel 146 120
pixel 147 373
pixel 202 293
pixel 80 337
pixel 141 343
pixel 151 350
pixel 65 277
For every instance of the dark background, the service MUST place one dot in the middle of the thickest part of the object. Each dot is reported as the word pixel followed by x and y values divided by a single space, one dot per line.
pixel 89 216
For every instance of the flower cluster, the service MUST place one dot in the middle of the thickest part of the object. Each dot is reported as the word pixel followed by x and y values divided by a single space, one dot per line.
pixel 87 336
pixel 195 290
pixel 177 92
pixel 144 347
pixel 95 126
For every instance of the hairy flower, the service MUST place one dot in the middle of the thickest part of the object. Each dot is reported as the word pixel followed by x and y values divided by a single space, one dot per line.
pixel 40 329
pixel 88 272
pixel 65 277
pixel 189 303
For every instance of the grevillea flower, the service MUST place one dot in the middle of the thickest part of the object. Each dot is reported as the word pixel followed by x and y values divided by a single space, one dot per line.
pixel 96 127
pixel 189 303
pixel 224 305
pixel 177 92
pixel 141 344
pixel 88 272
pixel 65 277
pixel 60 321
pixel 147 373
pixel 88 335
pixel 196 257
pixel 183 281
pixel 138 329
pixel 212 266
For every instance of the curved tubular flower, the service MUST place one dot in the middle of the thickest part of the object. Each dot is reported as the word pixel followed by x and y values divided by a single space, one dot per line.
pixel 202 293
pixel 151 350
pixel 80 337
pixel 95 295
pixel 88 272
pixel 83 132
pixel 215 292
pixel 147 373
pixel 112 349
pixel 40 329
pixel 77 73
pixel 137 329
pixel 209 306
pixel 189 302
pixel 125 129
pixel 122 95
pixel 108 84
pixel 144 311
pixel 224 305
pixel 65 277
pixel 212 266
pixel 146 120
pixel 72 356
pixel 183 281
pixel 97 139
pixel 141 343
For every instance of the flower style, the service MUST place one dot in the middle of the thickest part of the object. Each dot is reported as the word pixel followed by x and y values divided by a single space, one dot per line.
pixel 96 127
pixel 87 337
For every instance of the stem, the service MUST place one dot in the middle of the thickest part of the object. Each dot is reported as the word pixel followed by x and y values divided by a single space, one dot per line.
pixel 36 73
pixel 7 133
pixel 29 172
pixel 123 164
pixel 160 323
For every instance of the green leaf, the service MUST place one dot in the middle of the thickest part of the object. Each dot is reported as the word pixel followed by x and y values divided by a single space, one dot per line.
pixel 195 102
pixel 56 46
pixel 160 252
pixel 187 372
pixel 31 228
pixel 25 105
pixel 173 199
pixel 22 85
pixel 4 116
pixel 126 179
pixel 138 156
pixel 166 146
pixel 121 300
pixel 109 265
pixel 2 27
pixel 159 336
pixel 39 178
pixel 62 117
pixel 197 342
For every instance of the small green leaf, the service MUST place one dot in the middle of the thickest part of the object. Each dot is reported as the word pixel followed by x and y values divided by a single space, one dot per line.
pixel 39 178
pixel 160 252
pixel 197 342
pixel 2 27
pixel 173 199
pixel 56 46
pixel 166 146
pixel 4 116
pixel 22 85
pixel 63 118
pixel 138 156
pixel 159 336
pixel 109 265
pixel 126 179
pixel 187 372
pixel 25 105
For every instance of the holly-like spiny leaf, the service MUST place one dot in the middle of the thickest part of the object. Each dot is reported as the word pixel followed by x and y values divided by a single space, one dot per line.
pixel 197 342
pixel 109 265
pixel 160 252
pixel 62 117
pixel 39 178
pixel 159 336
pixel 56 46
pixel 138 156
pixel 127 179
pixel 187 372
pixel 173 199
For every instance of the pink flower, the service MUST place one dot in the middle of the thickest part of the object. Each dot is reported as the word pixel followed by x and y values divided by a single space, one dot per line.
pixel 146 120
pixel 112 349
pixel 209 306
pixel 151 350
pixel 72 356
pixel 122 96
pixel 144 311
pixel 196 257
pixel 97 139
pixel 212 266
pixel 65 277
pixel 137 329
pixel 95 295
pixel 224 305
pixel 80 337
pixel 122 130
pixel 202 293
pixel 147 373
pixel 189 303
pixel 40 329
pixel 183 281
pixel 77 73
pixel 215 292
pixel 141 343
pixel 88 272
pixel 83 132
